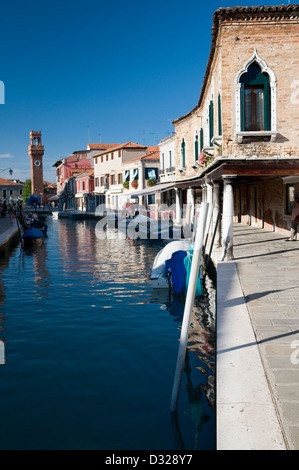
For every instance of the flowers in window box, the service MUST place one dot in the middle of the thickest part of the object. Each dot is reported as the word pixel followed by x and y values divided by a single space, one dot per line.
pixel 201 158
pixel 151 182
pixel 126 184
pixel 134 184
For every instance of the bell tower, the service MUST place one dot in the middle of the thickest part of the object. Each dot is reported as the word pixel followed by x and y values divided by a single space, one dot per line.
pixel 36 153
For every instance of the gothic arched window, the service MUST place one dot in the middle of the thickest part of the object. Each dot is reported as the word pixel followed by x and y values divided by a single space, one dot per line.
pixel 255 100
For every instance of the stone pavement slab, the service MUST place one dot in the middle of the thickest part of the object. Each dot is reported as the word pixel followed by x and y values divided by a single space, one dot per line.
pixel 268 275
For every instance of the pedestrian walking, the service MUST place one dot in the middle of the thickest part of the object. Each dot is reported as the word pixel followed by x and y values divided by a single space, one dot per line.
pixel 295 220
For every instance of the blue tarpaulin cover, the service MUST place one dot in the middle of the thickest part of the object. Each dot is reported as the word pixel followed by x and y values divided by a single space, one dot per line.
pixel 32 233
pixel 178 271
pixel 188 262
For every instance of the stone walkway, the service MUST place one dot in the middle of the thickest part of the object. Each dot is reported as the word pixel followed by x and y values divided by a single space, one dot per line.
pixel 259 310
pixel 8 229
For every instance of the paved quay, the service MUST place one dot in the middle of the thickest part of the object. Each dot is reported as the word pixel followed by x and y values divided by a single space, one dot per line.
pixel 8 230
pixel 258 342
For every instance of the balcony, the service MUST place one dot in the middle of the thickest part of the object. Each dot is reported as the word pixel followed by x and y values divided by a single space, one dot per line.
pixel 170 170
pixel 101 189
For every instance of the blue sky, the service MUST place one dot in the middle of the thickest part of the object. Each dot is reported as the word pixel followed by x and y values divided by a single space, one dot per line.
pixel 94 71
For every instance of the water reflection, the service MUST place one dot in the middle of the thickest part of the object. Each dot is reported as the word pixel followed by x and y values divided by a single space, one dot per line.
pixel 103 354
pixel 200 356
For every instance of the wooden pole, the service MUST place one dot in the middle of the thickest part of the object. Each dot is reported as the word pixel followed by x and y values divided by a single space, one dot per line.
pixel 189 304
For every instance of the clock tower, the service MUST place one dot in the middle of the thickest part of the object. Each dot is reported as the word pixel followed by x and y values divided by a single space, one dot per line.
pixel 36 153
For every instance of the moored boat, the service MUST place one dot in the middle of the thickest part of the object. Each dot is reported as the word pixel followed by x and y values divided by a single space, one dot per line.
pixel 33 236
pixel 172 266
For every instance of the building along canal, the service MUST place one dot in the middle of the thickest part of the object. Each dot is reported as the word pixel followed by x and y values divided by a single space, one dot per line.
pixel 91 349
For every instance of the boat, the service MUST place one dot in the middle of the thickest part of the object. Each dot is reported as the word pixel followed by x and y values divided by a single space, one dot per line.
pixel 159 276
pixel 71 214
pixel 145 228
pixel 38 224
pixel 33 236
pixel 172 266
pixel 77 215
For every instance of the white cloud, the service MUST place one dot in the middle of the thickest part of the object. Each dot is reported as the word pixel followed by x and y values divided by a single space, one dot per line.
pixel 5 155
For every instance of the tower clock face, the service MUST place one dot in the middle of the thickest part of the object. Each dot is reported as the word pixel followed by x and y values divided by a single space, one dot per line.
pixel 37 163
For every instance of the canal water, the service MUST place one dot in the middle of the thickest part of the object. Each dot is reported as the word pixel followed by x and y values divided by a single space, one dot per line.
pixel 91 350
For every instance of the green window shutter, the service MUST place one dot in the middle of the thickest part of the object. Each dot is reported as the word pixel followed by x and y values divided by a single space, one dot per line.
pixel 196 148
pixel 211 121
pixel 267 106
pixel 219 115
pixel 183 154
pixel 201 140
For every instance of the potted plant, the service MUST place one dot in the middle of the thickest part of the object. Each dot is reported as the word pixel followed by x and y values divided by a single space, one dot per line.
pixel 126 184
pixel 134 184
pixel 151 182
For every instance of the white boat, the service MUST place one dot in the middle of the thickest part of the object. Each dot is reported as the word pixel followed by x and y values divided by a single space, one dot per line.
pixel 160 279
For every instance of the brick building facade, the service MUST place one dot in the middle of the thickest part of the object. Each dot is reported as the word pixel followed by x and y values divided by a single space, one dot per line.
pixel 240 144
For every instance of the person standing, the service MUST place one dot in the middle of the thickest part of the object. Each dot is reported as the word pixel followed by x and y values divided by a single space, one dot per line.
pixel 295 220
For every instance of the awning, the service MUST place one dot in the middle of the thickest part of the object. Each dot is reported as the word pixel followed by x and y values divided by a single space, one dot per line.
pixel 153 189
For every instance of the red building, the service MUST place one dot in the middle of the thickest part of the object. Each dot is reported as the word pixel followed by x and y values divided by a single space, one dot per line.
pixel 71 166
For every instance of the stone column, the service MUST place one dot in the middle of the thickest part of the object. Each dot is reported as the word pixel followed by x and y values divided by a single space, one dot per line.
pixel 204 193
pixel 217 211
pixel 178 215
pixel 190 206
pixel 228 218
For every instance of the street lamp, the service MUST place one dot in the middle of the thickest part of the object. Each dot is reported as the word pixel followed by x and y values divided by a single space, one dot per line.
pixel 9 169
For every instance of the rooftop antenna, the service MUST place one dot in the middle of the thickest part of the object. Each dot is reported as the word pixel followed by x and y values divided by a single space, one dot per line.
pixel 154 134
pixel 170 121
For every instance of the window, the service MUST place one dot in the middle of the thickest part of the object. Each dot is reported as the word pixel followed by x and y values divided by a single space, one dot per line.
pixel 219 115
pixel 127 175
pixel 107 158
pixel 211 121
pixel 119 153
pixel 97 181
pixel 112 179
pixel 10 192
pixel 196 148
pixel 135 174
pixel 255 100
pixel 120 178
pixel 290 192
pixel 151 199
pixel 163 163
pixel 201 140
pixel 151 173
pixel 170 160
pixel 83 185
pixel 102 159
pixel 102 181
pixel 183 154
pixel 112 156
pixel 96 160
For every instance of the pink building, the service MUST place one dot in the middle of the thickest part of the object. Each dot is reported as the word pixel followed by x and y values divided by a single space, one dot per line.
pixel 84 191
pixel 71 166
